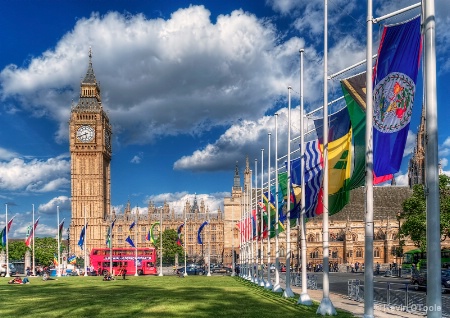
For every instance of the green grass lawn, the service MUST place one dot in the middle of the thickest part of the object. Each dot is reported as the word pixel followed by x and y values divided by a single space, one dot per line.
pixel 147 296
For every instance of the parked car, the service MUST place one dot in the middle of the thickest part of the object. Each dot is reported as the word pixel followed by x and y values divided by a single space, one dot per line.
pixel 191 270
pixel 221 269
pixel 12 270
pixel 419 280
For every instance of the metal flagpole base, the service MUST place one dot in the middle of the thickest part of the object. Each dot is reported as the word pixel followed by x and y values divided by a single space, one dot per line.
pixel 288 293
pixel 326 307
pixel 185 274
pixel 262 283
pixel 160 274
pixel 269 285
pixel 277 288
pixel 209 274
pixel 304 299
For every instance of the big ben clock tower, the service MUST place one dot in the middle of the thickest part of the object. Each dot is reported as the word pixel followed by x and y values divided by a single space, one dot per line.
pixel 90 150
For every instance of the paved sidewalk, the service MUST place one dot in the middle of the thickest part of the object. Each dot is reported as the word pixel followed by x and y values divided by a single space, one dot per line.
pixel 357 308
pixel 342 302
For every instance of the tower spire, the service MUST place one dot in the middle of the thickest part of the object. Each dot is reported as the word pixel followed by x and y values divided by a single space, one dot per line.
pixel 237 178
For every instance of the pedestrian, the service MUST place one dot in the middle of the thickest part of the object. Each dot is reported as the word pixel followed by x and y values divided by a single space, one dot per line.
pixel 124 273
pixel 378 268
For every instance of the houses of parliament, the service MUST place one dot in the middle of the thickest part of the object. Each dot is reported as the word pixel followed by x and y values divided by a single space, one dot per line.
pixel 91 151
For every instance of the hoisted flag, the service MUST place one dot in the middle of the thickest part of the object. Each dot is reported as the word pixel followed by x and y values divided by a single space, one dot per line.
pixel 109 234
pixel 55 260
pixel 354 90
pixel 60 230
pixel 393 94
pixel 3 233
pixel 150 234
pixel 132 225
pixel 130 241
pixel 199 237
pixel 72 259
pixel 313 164
pixel 30 236
pixel 339 160
pixel 180 228
pixel 82 236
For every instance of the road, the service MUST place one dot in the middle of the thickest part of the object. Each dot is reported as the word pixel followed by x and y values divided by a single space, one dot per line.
pixel 393 290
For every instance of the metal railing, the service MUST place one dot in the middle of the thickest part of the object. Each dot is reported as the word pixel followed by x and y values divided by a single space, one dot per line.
pixel 395 297
pixel 296 280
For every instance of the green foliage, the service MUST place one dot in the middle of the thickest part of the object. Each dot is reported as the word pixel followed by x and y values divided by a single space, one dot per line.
pixel 414 213
pixel 45 249
pixel 170 246
pixel 16 250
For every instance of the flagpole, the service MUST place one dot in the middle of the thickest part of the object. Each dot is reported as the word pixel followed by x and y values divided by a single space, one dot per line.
pixel 257 251
pixel 209 246
pixel 6 235
pixel 250 234
pixel 288 291
pixel 58 271
pixel 32 228
pixel 84 243
pixel 185 226
pixel 136 239
pixel 326 306
pixel 434 297
pixel 269 280
pixel 262 283
pixel 368 242
pixel 110 246
pixel 276 287
pixel 304 298
pixel 160 242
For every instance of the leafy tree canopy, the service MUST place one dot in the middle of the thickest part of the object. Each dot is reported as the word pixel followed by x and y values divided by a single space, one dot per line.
pixel 170 246
pixel 414 213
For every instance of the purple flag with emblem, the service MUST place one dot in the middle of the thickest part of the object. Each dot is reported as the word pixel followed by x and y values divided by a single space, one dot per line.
pixel 393 94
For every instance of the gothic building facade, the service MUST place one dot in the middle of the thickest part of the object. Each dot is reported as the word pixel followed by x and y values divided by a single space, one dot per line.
pixel 91 152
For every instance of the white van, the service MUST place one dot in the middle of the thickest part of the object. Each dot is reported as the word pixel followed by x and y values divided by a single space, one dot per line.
pixel 12 270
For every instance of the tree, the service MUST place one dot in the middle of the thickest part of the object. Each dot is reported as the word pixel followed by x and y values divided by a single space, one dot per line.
pixel 44 250
pixel 414 213
pixel 170 246
pixel 16 250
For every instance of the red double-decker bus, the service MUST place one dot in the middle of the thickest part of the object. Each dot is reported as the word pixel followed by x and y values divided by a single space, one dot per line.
pixel 124 258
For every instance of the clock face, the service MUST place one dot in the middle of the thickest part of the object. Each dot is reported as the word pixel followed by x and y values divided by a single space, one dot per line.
pixel 85 133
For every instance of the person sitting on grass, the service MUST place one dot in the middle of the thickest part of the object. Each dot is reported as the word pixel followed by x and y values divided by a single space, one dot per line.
pixel 107 276
pixel 15 280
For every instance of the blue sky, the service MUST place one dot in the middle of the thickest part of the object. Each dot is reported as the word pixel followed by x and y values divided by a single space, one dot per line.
pixel 190 87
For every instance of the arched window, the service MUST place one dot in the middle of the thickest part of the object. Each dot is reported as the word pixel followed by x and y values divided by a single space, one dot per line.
pixel 282 252
pixel 359 252
pixel 317 237
pixel 311 238
pixel 376 252
pixel 334 254
pixel 354 238
pixel 314 254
